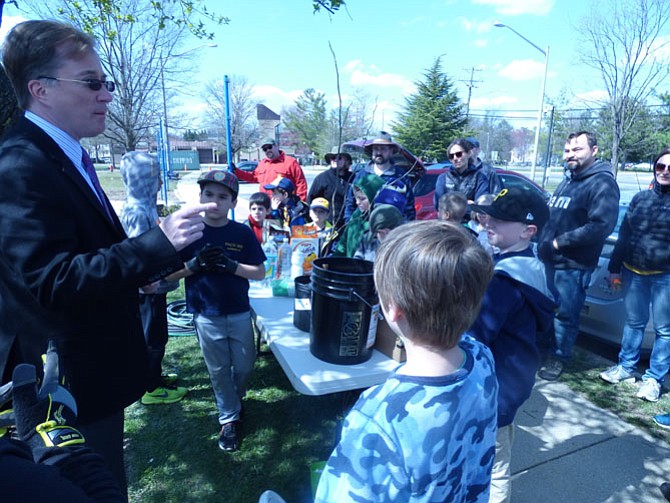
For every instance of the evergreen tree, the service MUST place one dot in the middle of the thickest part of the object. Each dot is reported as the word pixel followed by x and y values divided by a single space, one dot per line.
pixel 308 120
pixel 432 117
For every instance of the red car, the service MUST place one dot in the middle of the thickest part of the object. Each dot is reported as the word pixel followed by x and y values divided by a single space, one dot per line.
pixel 424 190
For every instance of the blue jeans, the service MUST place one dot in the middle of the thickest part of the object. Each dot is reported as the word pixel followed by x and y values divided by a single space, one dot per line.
pixel 571 285
pixel 639 292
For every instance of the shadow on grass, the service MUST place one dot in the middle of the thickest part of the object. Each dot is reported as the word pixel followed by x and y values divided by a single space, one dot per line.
pixel 172 453
pixel 582 375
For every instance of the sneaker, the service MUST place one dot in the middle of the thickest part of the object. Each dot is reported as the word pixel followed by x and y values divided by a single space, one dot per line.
pixel 551 370
pixel 164 394
pixel 650 390
pixel 663 420
pixel 228 437
pixel 617 374
pixel 665 490
pixel 169 379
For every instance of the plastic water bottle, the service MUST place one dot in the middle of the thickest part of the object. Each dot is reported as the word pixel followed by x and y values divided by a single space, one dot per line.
pixel 283 270
pixel 270 250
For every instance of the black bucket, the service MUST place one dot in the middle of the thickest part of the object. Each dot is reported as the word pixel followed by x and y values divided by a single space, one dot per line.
pixel 302 303
pixel 344 310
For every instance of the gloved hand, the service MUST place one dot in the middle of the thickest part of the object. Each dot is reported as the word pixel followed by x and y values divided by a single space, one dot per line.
pixel 44 418
pixel 206 258
pixel 546 251
pixel 226 265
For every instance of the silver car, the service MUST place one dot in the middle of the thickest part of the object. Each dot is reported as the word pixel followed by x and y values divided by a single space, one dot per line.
pixel 603 314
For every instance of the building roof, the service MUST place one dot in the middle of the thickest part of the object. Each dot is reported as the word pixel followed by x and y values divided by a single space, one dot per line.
pixel 264 113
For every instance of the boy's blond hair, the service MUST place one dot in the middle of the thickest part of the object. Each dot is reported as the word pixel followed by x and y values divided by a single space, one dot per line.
pixel 436 274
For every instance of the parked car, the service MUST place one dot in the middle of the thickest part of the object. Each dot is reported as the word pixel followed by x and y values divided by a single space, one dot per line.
pixel 404 158
pixel 603 314
pixel 424 190
pixel 246 166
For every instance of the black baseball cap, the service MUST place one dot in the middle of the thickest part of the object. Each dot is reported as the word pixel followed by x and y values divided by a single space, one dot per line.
pixel 517 205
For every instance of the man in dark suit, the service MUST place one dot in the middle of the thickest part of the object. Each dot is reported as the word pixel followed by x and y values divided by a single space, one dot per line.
pixel 65 243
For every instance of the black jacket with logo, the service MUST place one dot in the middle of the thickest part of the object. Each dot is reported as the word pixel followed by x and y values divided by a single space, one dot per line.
pixel 583 212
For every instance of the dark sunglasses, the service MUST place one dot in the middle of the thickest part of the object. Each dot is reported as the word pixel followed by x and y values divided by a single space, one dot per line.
pixel 265 149
pixel 456 155
pixel 660 167
pixel 93 84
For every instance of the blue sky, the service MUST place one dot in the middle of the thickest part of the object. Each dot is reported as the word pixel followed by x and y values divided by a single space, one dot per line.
pixel 384 47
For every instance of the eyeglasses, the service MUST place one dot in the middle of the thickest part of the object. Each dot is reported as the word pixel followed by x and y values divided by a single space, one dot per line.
pixel 267 147
pixel 660 167
pixel 93 84
pixel 456 155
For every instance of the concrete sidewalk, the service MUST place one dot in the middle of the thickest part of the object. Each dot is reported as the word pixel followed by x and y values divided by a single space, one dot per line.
pixel 568 450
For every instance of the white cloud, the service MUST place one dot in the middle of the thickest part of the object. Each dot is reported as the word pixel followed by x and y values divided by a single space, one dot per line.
pixel 661 48
pixel 371 75
pixel 522 69
pixel 595 96
pixel 274 98
pixel 495 102
pixel 519 7
pixel 481 43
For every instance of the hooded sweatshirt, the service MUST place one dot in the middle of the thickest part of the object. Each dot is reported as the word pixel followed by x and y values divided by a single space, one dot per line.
pixel 517 306
pixel 583 212
pixel 644 237
pixel 475 181
pixel 141 174
pixel 358 224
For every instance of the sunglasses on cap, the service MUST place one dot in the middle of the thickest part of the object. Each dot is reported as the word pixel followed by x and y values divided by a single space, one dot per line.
pixel 456 155
pixel 93 84
pixel 660 167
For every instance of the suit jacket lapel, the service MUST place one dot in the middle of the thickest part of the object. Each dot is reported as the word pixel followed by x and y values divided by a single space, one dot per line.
pixel 51 148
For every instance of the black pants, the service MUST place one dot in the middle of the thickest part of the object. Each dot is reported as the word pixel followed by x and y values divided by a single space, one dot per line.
pixel 105 436
pixel 153 309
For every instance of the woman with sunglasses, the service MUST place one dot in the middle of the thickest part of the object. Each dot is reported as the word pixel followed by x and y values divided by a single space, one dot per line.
pixel 464 175
pixel 640 264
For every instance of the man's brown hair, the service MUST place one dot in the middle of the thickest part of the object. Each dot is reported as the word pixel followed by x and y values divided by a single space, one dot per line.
pixel 35 49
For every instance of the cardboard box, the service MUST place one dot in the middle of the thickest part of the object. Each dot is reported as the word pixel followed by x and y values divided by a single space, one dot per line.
pixel 389 343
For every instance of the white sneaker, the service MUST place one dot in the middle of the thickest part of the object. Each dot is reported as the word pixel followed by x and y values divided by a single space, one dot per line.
pixel 650 390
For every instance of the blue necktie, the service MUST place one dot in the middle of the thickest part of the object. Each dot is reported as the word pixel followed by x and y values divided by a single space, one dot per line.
pixel 90 171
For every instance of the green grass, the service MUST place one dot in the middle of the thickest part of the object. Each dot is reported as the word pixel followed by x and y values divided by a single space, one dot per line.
pixel 172 453
pixel 582 376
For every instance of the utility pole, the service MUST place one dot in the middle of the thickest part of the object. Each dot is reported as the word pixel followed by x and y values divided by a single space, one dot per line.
pixel 470 84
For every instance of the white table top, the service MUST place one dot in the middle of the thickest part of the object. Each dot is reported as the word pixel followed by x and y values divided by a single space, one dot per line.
pixel 308 374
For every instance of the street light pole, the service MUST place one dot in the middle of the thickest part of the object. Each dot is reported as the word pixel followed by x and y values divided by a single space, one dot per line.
pixel 540 108
pixel 168 163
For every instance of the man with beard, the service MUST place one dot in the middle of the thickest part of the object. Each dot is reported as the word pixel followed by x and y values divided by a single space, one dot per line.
pixel 333 185
pixel 381 151
pixel 583 212
pixel 276 164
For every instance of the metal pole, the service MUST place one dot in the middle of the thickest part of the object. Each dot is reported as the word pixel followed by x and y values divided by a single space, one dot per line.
pixel 547 158
pixel 167 166
pixel 160 140
pixel 540 110
pixel 545 53
pixel 229 150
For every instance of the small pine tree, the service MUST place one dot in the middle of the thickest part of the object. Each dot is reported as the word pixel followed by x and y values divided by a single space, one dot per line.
pixel 432 117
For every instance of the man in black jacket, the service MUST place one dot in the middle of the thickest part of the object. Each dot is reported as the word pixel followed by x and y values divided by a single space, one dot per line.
pixel 332 185
pixel 64 241
pixel 583 212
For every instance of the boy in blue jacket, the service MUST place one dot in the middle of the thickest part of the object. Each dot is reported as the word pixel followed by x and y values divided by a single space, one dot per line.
pixel 517 305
